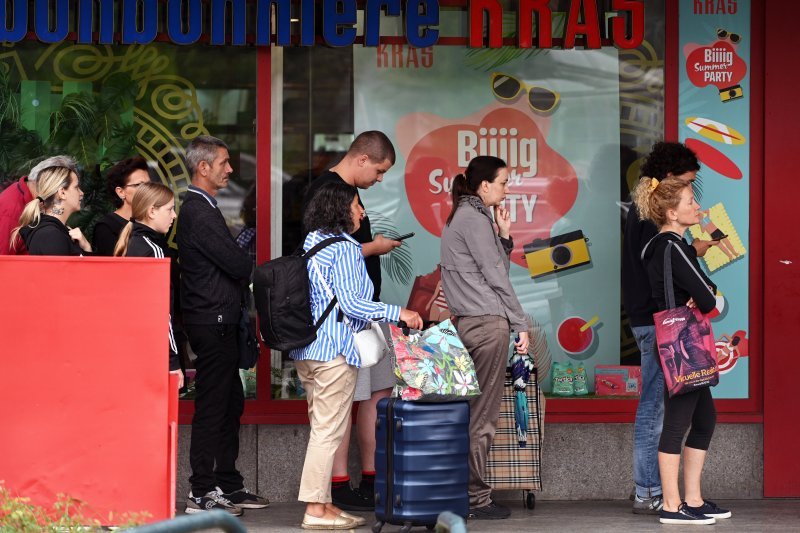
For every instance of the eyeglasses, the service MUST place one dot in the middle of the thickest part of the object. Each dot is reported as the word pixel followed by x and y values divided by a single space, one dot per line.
pixel 540 99
pixel 734 37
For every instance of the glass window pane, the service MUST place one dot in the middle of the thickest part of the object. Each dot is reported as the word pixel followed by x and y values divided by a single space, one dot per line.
pixel 315 100
pixel 102 104
pixel 573 125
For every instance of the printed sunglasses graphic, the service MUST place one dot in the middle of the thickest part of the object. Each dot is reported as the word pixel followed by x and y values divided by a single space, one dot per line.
pixel 734 37
pixel 541 99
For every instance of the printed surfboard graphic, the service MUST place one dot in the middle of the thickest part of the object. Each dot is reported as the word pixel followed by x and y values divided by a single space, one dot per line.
pixel 714 159
pixel 716 131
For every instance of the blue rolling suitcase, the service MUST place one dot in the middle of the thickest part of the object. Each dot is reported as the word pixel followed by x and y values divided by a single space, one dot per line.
pixel 421 467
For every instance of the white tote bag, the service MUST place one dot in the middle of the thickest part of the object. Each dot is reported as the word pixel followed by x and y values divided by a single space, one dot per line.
pixel 370 342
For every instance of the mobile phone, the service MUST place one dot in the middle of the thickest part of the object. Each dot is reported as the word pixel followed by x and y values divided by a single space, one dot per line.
pixel 403 237
pixel 720 238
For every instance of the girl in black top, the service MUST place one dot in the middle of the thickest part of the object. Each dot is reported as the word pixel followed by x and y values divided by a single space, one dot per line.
pixel 43 222
pixel 122 181
pixel 671 206
pixel 153 210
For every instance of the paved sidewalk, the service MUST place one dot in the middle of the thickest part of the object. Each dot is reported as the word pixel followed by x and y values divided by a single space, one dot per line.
pixel 574 516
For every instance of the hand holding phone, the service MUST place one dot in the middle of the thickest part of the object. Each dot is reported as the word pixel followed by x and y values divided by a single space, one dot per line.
pixel 403 237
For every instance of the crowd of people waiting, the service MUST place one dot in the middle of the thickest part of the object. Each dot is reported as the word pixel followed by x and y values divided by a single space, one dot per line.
pixel 475 248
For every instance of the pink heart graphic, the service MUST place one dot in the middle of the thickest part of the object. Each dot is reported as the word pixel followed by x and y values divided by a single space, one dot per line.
pixel 543 186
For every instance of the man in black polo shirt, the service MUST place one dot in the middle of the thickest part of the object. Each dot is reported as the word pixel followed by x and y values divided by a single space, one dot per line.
pixel 369 157
pixel 214 271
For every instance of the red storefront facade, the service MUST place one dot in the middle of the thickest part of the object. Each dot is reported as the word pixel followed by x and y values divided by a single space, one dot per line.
pixel 773 280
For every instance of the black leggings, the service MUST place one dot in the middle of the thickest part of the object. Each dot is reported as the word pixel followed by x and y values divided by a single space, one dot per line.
pixel 695 408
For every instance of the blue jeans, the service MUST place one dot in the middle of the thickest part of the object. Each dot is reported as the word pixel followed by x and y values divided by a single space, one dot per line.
pixel 649 416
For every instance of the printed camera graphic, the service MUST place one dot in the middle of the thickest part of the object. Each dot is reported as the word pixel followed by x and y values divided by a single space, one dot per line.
pixel 733 92
pixel 562 252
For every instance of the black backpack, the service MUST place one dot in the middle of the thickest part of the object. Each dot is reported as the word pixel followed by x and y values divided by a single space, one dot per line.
pixel 281 293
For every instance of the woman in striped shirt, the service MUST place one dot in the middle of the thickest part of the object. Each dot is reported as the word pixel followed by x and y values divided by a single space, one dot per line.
pixel 328 366
pixel 153 211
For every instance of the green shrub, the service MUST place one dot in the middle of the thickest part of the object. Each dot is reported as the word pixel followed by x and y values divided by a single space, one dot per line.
pixel 19 515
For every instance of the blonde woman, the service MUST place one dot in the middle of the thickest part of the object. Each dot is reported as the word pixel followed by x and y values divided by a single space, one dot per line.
pixel 152 214
pixel 670 205
pixel 43 222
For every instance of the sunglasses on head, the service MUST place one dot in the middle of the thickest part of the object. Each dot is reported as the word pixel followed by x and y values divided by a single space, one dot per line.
pixel 540 99
pixel 734 37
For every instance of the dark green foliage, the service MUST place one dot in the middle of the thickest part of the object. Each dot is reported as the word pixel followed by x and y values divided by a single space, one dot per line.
pixel 399 263
pixel 95 128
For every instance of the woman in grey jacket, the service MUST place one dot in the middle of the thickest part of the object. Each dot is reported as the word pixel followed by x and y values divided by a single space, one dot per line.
pixel 485 309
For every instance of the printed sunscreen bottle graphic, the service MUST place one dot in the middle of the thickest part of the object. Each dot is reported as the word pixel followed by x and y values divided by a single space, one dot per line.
pixel 579 381
pixel 562 379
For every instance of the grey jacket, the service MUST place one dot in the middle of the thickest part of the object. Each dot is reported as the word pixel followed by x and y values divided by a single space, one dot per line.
pixel 475 264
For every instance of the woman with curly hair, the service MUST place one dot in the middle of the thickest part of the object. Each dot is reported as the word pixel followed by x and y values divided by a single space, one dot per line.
pixel 328 366
pixel 673 160
pixel 670 205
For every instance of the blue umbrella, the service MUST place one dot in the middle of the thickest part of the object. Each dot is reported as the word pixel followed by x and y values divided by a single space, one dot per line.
pixel 521 368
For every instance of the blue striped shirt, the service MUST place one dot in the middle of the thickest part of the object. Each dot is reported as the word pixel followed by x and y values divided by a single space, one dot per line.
pixel 342 266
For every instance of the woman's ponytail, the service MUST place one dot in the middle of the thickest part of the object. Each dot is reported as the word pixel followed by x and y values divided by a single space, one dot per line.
pixel 641 196
pixel 30 216
pixel 121 248
pixel 459 188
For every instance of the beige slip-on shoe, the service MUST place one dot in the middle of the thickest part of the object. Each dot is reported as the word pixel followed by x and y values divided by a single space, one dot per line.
pixel 340 522
pixel 360 521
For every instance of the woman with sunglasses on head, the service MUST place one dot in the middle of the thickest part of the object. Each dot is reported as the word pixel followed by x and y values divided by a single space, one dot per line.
pixel 671 206
pixel 122 180
pixel 475 249
pixel 152 214
pixel 43 222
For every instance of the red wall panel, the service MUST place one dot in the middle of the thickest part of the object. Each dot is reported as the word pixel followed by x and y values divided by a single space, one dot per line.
pixel 84 383
pixel 781 251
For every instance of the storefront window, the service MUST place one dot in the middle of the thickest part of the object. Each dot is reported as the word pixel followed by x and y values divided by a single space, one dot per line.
pixel 315 102
pixel 102 104
pixel 573 125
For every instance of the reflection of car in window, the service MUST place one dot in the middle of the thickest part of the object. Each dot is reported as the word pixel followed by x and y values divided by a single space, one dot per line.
pixel 229 202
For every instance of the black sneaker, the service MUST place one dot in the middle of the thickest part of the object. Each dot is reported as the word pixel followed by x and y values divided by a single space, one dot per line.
pixel 493 511
pixel 685 515
pixel 245 499
pixel 711 509
pixel 367 490
pixel 648 505
pixel 349 499
pixel 209 502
